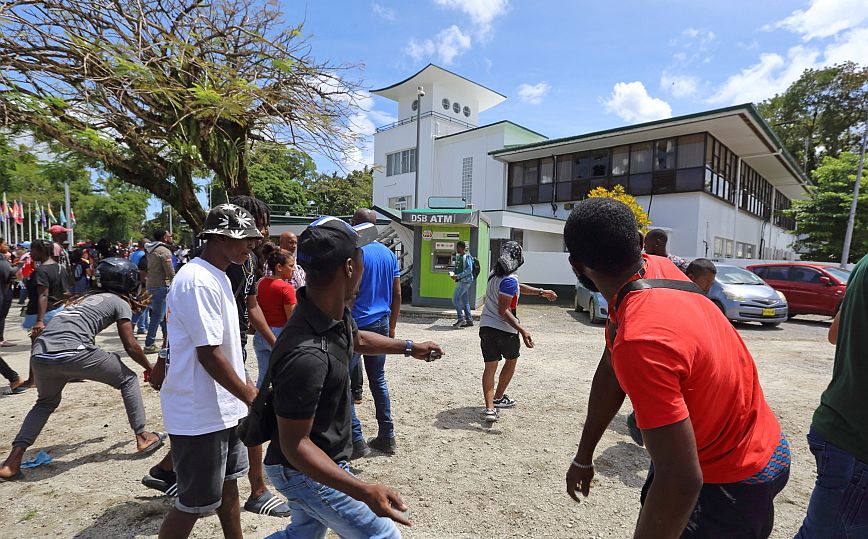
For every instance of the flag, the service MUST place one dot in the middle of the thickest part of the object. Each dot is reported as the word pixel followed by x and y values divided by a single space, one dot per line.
pixel 42 213
pixel 62 216
pixel 19 212
pixel 4 209
pixel 72 217
pixel 51 217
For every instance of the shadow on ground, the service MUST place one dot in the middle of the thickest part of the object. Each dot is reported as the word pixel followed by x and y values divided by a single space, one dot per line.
pixel 59 465
pixel 626 462
pixel 584 319
pixel 135 518
pixel 465 418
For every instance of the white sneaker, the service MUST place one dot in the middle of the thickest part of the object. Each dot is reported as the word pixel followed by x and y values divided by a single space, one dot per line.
pixel 490 415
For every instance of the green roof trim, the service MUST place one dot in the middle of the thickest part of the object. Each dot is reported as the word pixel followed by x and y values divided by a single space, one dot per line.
pixel 435 210
pixel 749 107
pixel 523 128
pixel 438 67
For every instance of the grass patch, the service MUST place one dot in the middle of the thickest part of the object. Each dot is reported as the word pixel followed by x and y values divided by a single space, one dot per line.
pixel 29 515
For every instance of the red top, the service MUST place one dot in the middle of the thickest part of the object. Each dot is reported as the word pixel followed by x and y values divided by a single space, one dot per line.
pixel 273 294
pixel 677 356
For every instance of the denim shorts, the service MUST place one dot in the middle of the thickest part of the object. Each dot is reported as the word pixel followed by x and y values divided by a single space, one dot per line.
pixel 202 464
pixel 30 319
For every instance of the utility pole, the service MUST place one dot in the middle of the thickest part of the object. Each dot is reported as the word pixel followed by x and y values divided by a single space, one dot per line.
pixel 848 236
pixel 420 93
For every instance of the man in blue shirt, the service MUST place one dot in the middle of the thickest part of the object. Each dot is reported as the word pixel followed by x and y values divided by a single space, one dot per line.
pixel 376 309
pixel 463 277
pixel 140 319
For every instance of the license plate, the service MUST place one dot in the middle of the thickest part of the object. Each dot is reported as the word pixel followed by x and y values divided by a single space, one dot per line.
pixel 768 312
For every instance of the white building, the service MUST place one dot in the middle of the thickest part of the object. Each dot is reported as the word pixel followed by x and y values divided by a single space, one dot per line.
pixel 685 171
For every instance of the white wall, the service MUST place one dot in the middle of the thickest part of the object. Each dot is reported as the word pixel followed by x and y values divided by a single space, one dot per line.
pixel 547 268
pixel 543 241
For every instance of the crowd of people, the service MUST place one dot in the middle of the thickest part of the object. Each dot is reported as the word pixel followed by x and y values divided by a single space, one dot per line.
pixel 323 308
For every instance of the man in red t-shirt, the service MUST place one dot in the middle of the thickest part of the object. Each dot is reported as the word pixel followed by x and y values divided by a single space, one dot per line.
pixel 718 455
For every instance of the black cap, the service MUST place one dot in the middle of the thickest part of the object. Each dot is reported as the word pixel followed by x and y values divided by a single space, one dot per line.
pixel 327 242
pixel 230 220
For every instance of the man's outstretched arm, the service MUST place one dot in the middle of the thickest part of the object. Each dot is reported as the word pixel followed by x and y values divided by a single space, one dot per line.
pixel 604 402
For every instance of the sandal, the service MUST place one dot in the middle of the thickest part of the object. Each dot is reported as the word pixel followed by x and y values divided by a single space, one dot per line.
pixel 267 504
pixel 161 439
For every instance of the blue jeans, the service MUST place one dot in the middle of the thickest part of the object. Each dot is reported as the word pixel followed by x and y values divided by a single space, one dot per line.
pixel 839 503
pixel 461 299
pixel 263 353
pixel 375 367
pixel 315 508
pixel 140 321
pixel 157 313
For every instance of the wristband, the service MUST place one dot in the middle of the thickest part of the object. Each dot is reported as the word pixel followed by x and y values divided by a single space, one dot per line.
pixel 582 466
pixel 408 351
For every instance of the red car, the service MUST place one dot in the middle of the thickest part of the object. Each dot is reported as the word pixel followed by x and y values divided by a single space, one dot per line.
pixel 810 288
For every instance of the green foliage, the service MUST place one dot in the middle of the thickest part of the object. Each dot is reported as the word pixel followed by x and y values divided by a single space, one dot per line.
pixel 278 175
pixel 336 195
pixel 818 115
pixel 822 218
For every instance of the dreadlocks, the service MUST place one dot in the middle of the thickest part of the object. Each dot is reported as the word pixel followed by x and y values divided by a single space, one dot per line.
pixel 137 303
pixel 256 207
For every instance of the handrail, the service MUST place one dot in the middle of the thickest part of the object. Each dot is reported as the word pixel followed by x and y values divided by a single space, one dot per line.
pixel 430 113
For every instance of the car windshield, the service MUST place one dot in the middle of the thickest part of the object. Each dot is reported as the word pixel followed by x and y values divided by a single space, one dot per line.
pixel 731 275
pixel 840 274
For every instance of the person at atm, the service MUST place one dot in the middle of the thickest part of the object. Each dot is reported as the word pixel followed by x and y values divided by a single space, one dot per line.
pixel 463 277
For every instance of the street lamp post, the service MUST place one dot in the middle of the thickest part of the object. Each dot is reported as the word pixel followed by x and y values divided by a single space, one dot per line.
pixel 420 93
pixel 848 236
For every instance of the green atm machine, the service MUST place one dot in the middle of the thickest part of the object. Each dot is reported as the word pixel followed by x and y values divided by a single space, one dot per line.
pixel 435 233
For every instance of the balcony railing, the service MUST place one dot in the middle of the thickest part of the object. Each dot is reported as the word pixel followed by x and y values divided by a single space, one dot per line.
pixel 436 115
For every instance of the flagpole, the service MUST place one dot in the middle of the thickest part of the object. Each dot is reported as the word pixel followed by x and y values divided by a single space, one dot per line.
pixel 15 224
pixel 68 224
pixel 30 221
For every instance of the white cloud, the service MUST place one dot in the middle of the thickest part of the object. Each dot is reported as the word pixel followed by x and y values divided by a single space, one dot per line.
pixel 703 35
pixel 771 75
pixel 853 46
pixel 533 93
pixel 482 13
pixel 825 18
pixel 383 12
pixel 448 44
pixel 679 85
pixel 361 126
pixel 630 101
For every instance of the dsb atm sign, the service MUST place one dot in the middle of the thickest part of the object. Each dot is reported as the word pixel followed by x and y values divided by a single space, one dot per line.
pixel 431 218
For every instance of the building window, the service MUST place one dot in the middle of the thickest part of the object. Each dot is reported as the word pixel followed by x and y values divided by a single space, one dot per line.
pixel 718 247
pixel 401 203
pixel 467 179
pixel 546 179
pixel 780 218
pixel 401 162
pixel 620 160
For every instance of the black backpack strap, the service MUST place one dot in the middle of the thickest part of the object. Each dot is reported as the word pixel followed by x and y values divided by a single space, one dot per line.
pixel 645 284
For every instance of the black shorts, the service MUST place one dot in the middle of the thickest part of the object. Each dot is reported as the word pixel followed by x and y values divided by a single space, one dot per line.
pixel 202 464
pixel 498 344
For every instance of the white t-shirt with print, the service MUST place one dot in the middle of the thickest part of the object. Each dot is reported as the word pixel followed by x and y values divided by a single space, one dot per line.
pixel 202 312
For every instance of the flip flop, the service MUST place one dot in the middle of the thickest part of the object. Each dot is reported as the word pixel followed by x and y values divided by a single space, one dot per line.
pixel 268 504
pixel 161 439
pixel 18 475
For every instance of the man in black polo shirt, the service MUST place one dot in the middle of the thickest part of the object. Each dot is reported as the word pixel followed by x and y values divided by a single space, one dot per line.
pixel 307 459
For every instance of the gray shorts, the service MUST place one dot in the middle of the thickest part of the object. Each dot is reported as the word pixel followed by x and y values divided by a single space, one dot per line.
pixel 202 464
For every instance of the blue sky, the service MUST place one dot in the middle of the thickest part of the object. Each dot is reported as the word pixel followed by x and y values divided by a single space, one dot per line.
pixel 570 67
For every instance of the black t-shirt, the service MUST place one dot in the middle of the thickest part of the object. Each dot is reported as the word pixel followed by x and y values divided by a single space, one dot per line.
pixel 51 276
pixel 7 274
pixel 310 383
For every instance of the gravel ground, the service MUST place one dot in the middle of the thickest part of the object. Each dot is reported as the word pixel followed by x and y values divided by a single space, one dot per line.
pixel 459 477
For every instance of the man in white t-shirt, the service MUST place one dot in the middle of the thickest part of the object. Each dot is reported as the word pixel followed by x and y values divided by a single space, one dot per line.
pixel 205 393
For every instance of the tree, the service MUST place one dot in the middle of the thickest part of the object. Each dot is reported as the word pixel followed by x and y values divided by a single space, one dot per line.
pixel 818 115
pixel 116 214
pixel 336 195
pixel 278 175
pixel 159 91
pixel 822 218
pixel 619 194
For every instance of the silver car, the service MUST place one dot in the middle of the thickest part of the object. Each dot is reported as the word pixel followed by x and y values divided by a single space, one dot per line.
pixel 744 297
pixel 593 302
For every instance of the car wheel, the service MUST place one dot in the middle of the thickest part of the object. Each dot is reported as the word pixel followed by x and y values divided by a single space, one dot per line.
pixel 771 324
pixel 576 306
pixel 592 311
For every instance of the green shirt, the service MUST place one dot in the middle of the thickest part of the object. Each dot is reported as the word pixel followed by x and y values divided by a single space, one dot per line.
pixel 842 417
